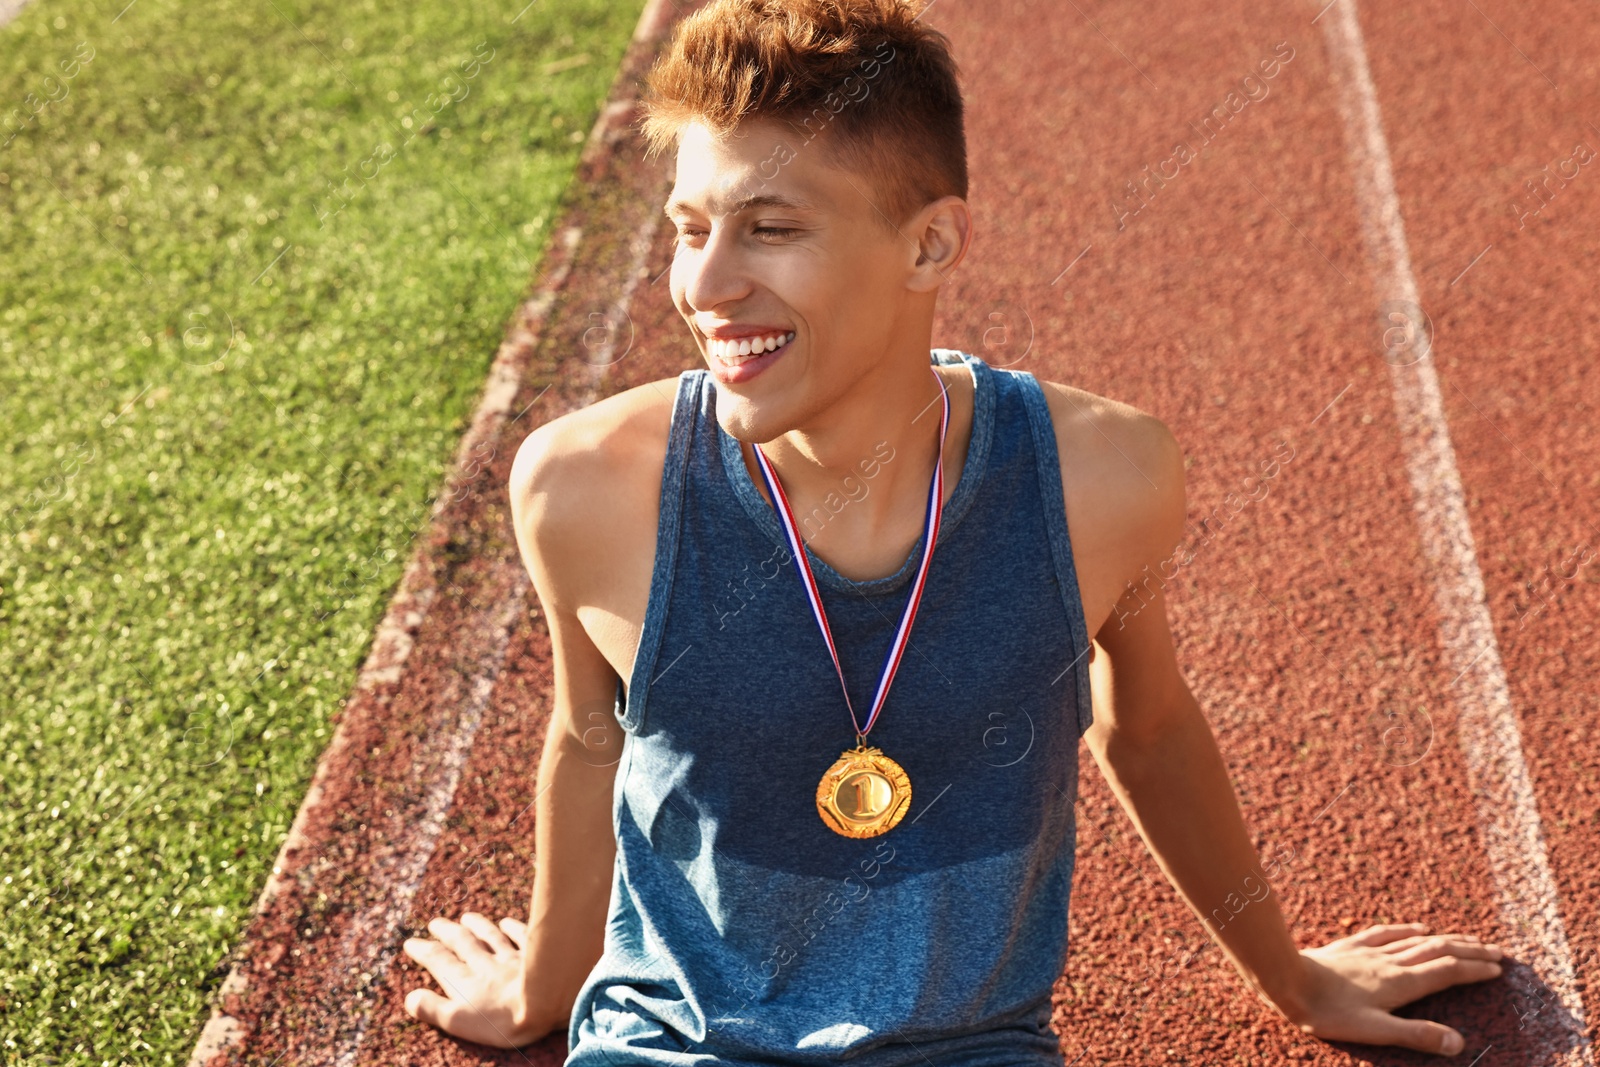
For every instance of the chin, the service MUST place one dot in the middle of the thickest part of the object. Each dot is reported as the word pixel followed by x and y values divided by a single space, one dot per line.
pixel 749 421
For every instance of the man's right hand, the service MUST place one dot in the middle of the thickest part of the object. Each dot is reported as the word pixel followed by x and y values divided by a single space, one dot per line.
pixel 480 967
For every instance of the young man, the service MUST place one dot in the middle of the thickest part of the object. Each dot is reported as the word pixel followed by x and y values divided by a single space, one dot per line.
pixel 838 600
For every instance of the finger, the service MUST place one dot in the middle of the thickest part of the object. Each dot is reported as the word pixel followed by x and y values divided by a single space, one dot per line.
pixel 463 941
pixel 516 930
pixel 1384 933
pixel 437 958
pixel 1431 948
pixel 427 1006
pixel 1418 1034
pixel 1395 947
pixel 1446 971
pixel 456 1017
pixel 487 932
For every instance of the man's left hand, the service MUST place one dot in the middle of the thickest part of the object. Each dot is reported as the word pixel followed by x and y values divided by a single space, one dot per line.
pixel 1351 984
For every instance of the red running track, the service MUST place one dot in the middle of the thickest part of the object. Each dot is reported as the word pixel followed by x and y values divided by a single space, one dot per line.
pixel 1327 621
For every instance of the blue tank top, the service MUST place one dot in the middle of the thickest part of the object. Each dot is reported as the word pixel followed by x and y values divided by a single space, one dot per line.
pixel 741 929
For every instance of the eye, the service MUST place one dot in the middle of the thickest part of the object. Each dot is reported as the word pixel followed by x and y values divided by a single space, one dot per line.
pixel 771 232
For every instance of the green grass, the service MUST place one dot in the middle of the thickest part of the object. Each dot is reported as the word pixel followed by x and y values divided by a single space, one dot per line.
pixel 229 395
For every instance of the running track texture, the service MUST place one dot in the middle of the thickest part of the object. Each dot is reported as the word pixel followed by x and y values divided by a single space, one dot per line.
pixel 1359 297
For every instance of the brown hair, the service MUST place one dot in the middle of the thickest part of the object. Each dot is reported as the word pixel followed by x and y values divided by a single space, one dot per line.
pixel 878 84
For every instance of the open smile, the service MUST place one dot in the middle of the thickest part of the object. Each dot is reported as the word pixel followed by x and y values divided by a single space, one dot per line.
pixel 733 353
pixel 737 361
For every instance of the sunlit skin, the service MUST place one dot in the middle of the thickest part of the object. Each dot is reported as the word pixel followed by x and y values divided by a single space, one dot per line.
pixel 860 300
pixel 859 296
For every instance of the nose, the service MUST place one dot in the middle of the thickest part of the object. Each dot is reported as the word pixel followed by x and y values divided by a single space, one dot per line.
pixel 713 274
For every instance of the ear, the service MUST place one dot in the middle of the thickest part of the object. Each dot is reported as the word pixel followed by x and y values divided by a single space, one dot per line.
pixel 942 231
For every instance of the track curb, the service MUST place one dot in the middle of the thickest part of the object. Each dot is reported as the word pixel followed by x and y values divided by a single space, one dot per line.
pixel 394 637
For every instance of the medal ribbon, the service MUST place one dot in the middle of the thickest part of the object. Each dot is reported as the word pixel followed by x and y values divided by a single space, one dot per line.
pixel 891 661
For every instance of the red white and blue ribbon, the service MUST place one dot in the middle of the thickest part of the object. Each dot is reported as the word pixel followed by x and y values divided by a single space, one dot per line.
pixel 891 661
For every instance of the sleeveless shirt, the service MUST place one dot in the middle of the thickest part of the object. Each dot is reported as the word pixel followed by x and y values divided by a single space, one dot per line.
pixel 741 930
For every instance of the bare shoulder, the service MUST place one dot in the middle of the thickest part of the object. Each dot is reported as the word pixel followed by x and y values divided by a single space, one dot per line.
pixel 1122 478
pixel 585 491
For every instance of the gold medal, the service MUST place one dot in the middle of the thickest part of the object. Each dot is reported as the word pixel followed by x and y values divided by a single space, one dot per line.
pixel 864 793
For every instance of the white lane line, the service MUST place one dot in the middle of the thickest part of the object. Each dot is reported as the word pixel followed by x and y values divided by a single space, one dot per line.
pixel 368 945
pixel 1508 812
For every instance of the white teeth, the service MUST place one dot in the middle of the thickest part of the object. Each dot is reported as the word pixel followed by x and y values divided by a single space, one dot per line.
pixel 738 351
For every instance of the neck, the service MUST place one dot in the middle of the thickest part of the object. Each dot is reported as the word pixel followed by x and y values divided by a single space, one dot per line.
pixel 875 448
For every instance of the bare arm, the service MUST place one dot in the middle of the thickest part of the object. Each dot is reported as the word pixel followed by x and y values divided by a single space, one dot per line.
pixel 514 983
pixel 1159 756
pixel 1166 771
pixel 575 847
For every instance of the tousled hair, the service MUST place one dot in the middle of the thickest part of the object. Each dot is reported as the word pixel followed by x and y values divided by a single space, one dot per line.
pixel 863 81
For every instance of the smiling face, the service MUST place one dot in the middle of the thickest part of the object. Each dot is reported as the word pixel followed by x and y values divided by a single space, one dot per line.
pixel 775 242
